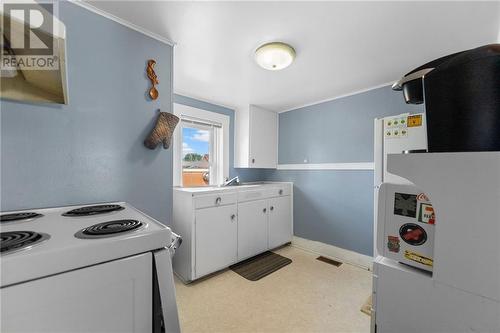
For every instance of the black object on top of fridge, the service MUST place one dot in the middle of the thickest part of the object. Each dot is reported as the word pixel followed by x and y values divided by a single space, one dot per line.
pixel 461 95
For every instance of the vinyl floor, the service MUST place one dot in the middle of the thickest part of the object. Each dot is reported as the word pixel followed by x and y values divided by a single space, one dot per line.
pixel 306 296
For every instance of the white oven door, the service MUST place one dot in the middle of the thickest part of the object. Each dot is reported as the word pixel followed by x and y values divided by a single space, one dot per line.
pixel 110 297
pixel 166 292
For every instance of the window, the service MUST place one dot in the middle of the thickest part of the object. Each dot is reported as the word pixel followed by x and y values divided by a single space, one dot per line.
pixel 199 153
pixel 200 148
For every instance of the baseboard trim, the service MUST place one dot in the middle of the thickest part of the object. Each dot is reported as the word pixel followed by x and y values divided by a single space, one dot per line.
pixel 327 166
pixel 334 252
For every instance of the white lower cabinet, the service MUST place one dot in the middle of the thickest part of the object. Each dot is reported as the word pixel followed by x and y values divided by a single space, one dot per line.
pixel 216 232
pixel 280 215
pixel 252 228
pixel 220 227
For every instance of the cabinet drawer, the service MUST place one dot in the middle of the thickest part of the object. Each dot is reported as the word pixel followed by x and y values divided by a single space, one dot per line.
pixel 252 195
pixel 213 200
pixel 279 191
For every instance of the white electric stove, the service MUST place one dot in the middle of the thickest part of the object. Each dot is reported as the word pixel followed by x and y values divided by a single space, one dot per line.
pixel 93 268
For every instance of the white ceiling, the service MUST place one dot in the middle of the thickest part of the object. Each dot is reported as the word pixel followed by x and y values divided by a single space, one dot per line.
pixel 342 47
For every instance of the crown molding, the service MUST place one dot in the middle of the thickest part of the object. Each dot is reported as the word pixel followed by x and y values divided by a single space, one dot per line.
pixel 123 22
pixel 338 97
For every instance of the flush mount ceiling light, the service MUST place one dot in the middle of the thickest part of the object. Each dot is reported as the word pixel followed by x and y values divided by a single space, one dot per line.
pixel 274 56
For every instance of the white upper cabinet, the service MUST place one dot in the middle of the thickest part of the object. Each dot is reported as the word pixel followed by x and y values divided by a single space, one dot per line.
pixel 256 138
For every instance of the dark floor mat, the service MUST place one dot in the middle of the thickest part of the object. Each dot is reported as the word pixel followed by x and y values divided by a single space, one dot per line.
pixel 257 267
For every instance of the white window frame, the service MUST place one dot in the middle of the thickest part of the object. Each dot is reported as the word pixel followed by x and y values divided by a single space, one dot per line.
pixel 184 111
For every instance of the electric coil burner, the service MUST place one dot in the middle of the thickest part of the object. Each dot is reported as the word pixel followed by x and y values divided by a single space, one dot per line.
pixel 19 240
pixel 108 229
pixel 93 210
pixel 19 216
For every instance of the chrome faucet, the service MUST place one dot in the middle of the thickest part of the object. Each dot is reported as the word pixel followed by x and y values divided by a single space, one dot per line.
pixel 233 181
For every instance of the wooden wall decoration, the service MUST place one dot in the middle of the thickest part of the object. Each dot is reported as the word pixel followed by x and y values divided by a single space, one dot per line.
pixel 153 92
pixel 163 131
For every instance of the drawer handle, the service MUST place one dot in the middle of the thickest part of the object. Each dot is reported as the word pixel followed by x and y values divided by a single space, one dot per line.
pixel 233 217
pixel 281 192
pixel 264 210
pixel 272 208
pixel 218 200
pixel 253 160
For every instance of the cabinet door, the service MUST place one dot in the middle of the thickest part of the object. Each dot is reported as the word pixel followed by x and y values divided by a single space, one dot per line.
pixel 252 228
pixel 216 234
pixel 280 221
pixel 263 138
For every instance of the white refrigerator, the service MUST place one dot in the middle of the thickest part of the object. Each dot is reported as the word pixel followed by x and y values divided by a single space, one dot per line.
pixel 394 135
pixel 461 293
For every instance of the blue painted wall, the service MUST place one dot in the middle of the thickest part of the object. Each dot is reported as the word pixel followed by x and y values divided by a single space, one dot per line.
pixel 337 131
pixel 332 206
pixel 91 150
pixel 246 175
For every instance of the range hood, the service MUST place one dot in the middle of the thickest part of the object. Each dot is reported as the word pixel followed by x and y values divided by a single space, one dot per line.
pixel 27 77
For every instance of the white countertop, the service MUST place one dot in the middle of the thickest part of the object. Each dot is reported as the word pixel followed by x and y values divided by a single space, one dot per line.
pixel 237 188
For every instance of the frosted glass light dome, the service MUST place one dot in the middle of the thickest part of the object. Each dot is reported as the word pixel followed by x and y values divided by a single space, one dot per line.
pixel 274 56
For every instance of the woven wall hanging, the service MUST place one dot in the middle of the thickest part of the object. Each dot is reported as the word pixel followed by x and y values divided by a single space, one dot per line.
pixel 163 131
